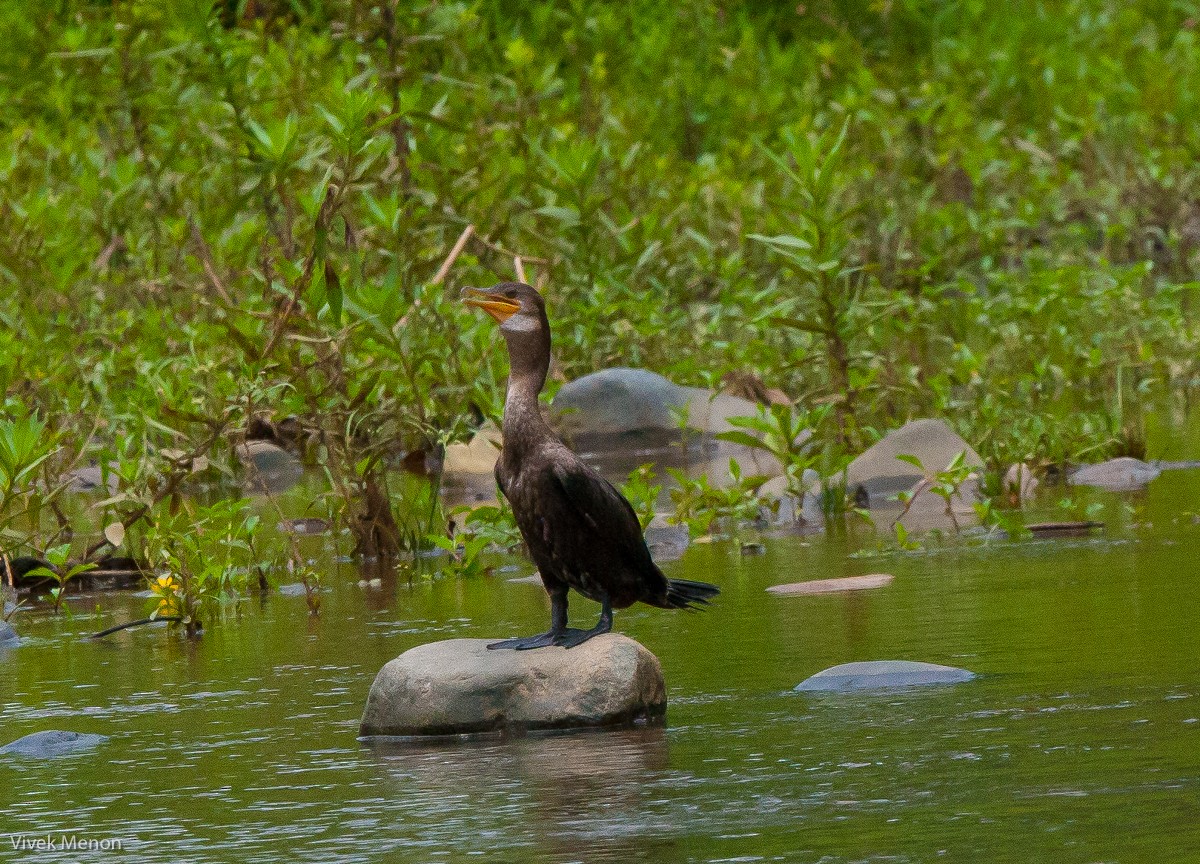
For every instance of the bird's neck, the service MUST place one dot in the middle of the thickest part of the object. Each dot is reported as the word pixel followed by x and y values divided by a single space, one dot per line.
pixel 523 423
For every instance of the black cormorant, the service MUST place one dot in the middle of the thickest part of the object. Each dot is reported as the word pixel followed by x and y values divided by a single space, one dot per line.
pixel 580 531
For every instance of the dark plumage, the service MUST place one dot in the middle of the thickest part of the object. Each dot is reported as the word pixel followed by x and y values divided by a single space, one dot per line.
pixel 580 531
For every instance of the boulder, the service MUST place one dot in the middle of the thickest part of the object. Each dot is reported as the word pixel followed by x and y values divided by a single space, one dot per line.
pixel 621 400
pixel 92 477
pixel 616 401
pixel 1116 475
pixel 47 745
pixel 467 467
pixel 876 476
pixel 932 441
pixel 269 466
pixel 8 636
pixel 881 675
pixel 459 686
pixel 834 586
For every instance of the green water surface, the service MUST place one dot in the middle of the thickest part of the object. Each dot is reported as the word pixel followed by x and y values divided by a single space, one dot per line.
pixel 1079 742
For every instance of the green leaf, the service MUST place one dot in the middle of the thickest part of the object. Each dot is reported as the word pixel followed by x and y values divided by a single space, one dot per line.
pixel 786 240
pixel 736 436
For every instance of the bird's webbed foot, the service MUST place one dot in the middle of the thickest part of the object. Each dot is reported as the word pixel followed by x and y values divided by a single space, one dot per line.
pixel 525 643
pixel 572 637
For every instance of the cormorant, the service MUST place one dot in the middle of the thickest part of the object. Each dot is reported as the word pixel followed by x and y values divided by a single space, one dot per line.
pixel 580 531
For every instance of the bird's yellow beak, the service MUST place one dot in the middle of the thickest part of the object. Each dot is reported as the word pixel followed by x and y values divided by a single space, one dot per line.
pixel 500 308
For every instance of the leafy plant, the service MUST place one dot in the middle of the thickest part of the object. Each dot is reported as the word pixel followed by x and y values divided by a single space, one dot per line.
pixel 206 554
pixel 701 505
pixel 642 493
pixel 60 572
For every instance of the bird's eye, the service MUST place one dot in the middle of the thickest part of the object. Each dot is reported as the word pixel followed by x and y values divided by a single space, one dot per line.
pixel 510 294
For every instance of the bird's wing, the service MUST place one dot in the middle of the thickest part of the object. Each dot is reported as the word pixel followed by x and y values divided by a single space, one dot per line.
pixel 498 473
pixel 596 501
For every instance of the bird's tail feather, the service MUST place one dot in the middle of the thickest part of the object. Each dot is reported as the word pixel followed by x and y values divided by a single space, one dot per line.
pixel 686 594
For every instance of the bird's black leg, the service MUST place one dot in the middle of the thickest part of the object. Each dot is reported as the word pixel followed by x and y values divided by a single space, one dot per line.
pixel 558 626
pixel 572 637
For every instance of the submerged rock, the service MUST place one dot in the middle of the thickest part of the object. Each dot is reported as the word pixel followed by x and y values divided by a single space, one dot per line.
pixel 1116 475
pixel 47 745
pixel 834 586
pixel 459 686
pixel 882 674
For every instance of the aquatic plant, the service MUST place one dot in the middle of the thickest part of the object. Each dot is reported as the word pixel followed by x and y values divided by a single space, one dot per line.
pixel 60 572
pixel 202 558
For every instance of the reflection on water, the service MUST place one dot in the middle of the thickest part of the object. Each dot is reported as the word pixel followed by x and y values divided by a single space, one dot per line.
pixel 562 790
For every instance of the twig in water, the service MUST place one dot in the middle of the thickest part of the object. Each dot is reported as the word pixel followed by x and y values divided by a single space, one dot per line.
pixel 137 623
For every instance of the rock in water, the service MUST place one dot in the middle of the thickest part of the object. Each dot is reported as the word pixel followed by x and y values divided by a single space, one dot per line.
pixel 932 441
pixel 459 686
pixel 834 586
pixel 882 674
pixel 1116 475
pixel 46 745
pixel 269 467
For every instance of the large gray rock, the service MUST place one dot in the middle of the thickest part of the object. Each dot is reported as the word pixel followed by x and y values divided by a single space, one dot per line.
pixel 268 466
pixel 882 674
pixel 459 686
pixel 1116 475
pixel 46 745
pixel 621 400
pixel 880 475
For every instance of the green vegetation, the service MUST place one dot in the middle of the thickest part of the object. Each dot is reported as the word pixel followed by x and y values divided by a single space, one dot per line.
pixel 218 213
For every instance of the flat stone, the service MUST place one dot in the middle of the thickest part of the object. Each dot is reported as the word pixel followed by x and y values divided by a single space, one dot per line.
pixel 881 675
pixel 459 686
pixel 47 745
pixel 834 586
pixel 92 477
pixel 535 579
pixel 1116 475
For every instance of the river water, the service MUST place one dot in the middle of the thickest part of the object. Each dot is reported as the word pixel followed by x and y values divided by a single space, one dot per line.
pixel 1079 742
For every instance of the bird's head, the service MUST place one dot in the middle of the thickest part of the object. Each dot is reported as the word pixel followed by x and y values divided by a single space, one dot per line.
pixel 518 308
